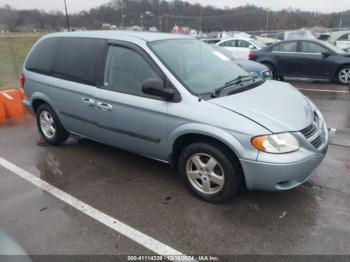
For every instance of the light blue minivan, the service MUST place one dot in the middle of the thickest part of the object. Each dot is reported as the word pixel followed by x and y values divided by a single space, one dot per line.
pixel 178 100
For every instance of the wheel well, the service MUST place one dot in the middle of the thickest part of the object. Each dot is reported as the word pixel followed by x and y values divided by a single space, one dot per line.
pixel 340 67
pixel 37 103
pixel 185 140
pixel 268 63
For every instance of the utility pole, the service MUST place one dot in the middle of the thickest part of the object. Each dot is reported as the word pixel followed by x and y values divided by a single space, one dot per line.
pixel 340 21
pixel 67 18
pixel 267 20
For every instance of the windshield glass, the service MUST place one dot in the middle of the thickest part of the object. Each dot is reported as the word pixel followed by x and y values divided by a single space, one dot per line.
pixel 334 48
pixel 197 65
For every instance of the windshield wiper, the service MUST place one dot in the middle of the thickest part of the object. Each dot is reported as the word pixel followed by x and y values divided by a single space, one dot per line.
pixel 238 80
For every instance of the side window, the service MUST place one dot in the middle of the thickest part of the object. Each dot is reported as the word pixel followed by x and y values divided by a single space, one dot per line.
pixel 310 47
pixel 42 57
pixel 126 70
pixel 229 43
pixel 345 37
pixel 77 59
pixel 285 47
pixel 242 43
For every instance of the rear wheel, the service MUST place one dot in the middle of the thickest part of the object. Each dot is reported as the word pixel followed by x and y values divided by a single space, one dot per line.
pixel 209 172
pixel 49 126
pixel 343 75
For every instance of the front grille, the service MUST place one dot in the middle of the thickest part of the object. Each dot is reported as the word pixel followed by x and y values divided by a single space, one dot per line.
pixel 317 142
pixel 309 131
pixel 312 133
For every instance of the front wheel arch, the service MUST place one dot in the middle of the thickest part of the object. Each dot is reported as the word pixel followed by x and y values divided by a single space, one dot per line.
pixel 186 139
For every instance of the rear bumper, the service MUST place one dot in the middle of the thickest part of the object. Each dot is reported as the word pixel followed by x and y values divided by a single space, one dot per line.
pixel 277 176
pixel 28 106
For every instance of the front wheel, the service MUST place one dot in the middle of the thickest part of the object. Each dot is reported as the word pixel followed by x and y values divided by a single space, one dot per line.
pixel 50 126
pixel 343 75
pixel 210 172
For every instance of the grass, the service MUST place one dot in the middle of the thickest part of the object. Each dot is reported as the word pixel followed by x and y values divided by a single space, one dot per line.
pixel 10 61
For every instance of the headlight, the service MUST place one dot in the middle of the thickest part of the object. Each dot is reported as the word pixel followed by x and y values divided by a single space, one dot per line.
pixel 253 74
pixel 276 143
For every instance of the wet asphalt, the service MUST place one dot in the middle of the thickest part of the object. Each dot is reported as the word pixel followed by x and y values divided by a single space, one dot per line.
pixel 311 219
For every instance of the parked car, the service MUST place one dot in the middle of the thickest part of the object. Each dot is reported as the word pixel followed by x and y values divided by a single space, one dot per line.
pixel 241 46
pixel 341 39
pixel 305 58
pixel 296 34
pixel 175 99
pixel 253 68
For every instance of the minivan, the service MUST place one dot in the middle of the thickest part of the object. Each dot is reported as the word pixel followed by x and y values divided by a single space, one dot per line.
pixel 178 100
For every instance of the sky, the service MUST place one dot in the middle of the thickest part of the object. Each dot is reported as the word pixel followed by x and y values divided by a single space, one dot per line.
pixel 324 6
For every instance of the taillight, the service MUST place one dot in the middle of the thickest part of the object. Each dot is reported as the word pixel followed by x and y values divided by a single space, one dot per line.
pixel 22 80
pixel 251 55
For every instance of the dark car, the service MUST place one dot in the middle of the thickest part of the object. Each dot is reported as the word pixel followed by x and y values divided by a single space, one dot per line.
pixel 305 58
pixel 253 68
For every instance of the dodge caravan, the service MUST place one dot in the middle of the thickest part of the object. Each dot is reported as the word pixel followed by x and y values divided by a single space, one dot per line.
pixel 178 100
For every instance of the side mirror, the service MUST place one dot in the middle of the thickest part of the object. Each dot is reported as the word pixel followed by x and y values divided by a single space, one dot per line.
pixel 155 87
pixel 251 47
pixel 326 54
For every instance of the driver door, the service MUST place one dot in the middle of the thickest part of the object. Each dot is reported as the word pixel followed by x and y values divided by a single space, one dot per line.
pixel 126 117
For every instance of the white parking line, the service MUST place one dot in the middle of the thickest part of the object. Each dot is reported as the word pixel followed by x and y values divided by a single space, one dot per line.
pixel 118 226
pixel 324 90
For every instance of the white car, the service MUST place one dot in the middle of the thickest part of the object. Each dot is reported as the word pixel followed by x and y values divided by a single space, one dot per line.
pixel 340 39
pixel 241 47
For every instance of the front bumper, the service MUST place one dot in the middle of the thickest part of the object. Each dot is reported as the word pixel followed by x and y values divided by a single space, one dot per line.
pixel 279 176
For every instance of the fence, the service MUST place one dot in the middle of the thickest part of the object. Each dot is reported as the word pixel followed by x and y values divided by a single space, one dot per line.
pixel 13 50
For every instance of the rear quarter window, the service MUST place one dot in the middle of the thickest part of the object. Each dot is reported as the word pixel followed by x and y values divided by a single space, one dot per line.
pixel 41 59
pixel 77 59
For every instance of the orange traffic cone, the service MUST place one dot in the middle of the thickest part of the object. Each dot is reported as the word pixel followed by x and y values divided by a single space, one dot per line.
pixel 12 100
pixel 2 110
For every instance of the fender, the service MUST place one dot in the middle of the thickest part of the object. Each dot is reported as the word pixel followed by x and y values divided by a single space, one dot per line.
pixel 217 133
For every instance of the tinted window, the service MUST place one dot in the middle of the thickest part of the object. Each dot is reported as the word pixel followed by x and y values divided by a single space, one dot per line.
pixel 126 70
pixel 77 59
pixel 286 47
pixel 345 37
pixel 229 43
pixel 242 43
pixel 310 47
pixel 42 57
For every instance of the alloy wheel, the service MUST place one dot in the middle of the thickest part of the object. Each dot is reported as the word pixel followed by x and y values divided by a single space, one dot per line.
pixel 344 75
pixel 205 173
pixel 47 125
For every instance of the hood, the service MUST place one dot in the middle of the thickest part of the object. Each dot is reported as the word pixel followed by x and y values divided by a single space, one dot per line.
pixel 275 105
pixel 251 66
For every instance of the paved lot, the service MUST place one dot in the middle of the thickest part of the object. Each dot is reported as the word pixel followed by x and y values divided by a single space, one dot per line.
pixel 146 195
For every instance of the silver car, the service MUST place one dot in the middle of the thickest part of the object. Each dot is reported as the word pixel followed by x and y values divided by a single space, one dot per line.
pixel 175 99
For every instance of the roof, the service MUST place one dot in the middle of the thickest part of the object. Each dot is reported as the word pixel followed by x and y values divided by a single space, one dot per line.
pixel 117 34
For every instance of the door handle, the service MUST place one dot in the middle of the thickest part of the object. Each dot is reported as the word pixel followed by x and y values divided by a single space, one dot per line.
pixel 104 106
pixel 88 101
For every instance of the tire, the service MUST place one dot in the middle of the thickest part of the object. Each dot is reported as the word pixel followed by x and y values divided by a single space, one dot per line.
pixel 342 74
pixel 45 115
pixel 223 182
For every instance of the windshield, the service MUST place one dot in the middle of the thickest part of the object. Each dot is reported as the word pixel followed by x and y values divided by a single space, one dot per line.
pixel 197 65
pixel 334 48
